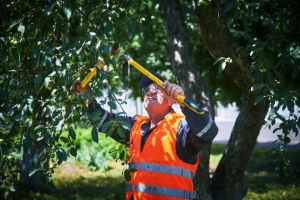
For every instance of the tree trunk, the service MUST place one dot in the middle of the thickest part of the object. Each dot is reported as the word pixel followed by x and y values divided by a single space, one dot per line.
pixel 35 182
pixel 228 181
pixel 189 78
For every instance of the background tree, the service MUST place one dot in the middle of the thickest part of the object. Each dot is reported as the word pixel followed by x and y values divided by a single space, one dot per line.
pixel 229 31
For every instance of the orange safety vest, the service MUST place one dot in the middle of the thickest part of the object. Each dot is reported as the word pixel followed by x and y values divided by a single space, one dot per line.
pixel 160 174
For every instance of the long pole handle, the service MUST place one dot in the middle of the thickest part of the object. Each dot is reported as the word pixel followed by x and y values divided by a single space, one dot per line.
pixel 92 73
pixel 189 103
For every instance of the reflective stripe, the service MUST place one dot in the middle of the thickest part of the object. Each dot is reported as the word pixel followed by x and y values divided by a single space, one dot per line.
pixel 166 169
pixel 150 189
pixel 102 120
pixel 205 128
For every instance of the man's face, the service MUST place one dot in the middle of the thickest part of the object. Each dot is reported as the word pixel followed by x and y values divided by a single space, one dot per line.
pixel 154 97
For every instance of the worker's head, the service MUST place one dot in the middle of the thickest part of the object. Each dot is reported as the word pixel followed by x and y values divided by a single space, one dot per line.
pixel 154 95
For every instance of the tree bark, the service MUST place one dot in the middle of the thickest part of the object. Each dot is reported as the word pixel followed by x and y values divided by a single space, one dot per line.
pixel 189 78
pixel 228 181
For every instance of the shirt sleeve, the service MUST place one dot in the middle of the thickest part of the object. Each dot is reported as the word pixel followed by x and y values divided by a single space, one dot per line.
pixel 202 130
pixel 104 116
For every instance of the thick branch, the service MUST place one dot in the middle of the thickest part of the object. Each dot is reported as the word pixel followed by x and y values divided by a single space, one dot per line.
pixel 228 181
pixel 220 43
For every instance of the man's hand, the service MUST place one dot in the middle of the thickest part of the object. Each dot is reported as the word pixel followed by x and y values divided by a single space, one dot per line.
pixel 78 89
pixel 172 90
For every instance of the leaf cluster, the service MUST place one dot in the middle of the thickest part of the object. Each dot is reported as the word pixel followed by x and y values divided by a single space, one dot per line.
pixel 43 46
pixel 268 32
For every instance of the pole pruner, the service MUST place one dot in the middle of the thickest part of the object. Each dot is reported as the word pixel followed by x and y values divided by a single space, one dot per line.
pixel 189 103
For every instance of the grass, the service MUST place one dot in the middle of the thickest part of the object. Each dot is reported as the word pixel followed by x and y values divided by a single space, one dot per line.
pixel 267 186
pixel 262 175
pixel 266 181
pixel 76 180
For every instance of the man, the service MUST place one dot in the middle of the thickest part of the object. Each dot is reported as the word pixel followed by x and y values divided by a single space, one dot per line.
pixel 163 146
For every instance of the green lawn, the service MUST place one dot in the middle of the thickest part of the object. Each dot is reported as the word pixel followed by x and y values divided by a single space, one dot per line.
pixel 77 182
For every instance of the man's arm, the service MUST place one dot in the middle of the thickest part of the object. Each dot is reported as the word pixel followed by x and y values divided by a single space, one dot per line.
pixel 203 129
pixel 104 116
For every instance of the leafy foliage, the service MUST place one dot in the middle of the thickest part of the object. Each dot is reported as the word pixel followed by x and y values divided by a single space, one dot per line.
pixel 268 32
pixel 43 44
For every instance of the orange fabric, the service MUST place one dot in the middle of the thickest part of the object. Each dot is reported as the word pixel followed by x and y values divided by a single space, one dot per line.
pixel 160 148
pixel 143 196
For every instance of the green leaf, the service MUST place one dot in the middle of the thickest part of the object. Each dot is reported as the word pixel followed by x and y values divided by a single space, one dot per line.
pixel 19 118
pixel 51 102
pixel 95 137
pixel 108 29
pixel 47 82
pixel 298 123
pixel 72 133
pixel 229 21
pixel 105 48
pixel 64 139
pixel 221 67
pixel 245 22
pixel 52 74
pixel 267 62
pixel 127 175
pixel 122 155
pixel 120 132
pixel 270 77
pixel 125 125
pixel 105 126
pixel 61 155
pixel 295 73
pixel 290 106
pixel 35 170
pixel 17 155
pixel 26 141
pixel 228 6
pixel 279 76
pixel 257 86
pixel 286 140
pixel 219 59
pixel 12 25
pixel 109 132
pixel 258 99
pixel 112 105
pixel 131 28
pixel 67 12
pixel 12 188
pixel 48 8
pixel 39 127
pixel 73 151
pixel 37 80
pixel 21 29
pixel 85 96
pixel 276 129
pixel 15 55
